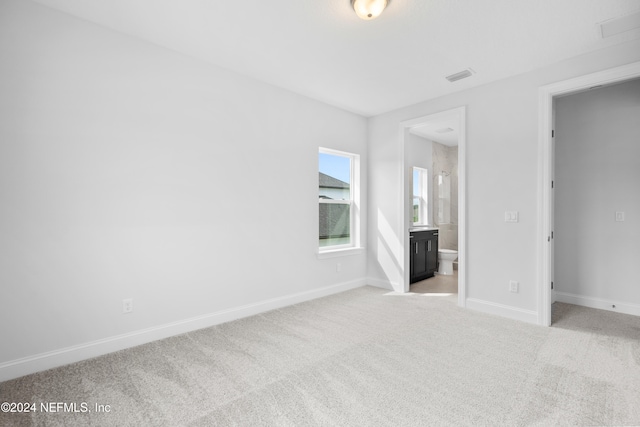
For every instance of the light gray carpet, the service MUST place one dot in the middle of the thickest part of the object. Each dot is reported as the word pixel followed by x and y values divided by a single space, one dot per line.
pixel 360 358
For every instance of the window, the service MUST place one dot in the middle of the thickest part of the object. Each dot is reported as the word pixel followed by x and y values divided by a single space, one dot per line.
pixel 420 196
pixel 338 199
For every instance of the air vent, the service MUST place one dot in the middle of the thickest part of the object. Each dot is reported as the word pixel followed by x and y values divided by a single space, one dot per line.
pixel 459 76
pixel 619 25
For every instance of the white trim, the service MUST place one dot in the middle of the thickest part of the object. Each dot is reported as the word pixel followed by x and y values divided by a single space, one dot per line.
pixel 335 152
pixel 337 202
pixel 333 253
pixel 404 214
pixel 379 283
pixel 545 214
pixel 599 303
pixel 51 359
pixel 529 316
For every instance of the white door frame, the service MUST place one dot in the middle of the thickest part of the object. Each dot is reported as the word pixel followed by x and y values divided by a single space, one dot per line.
pixel 545 169
pixel 404 214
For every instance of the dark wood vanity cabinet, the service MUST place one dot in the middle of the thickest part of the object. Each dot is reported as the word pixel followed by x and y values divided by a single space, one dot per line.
pixel 423 248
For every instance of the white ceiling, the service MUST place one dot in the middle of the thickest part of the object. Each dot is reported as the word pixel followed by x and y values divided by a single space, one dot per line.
pixel 442 131
pixel 321 49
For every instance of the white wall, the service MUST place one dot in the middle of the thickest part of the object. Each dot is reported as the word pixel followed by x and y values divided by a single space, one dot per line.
pixel 598 174
pixel 131 171
pixel 502 174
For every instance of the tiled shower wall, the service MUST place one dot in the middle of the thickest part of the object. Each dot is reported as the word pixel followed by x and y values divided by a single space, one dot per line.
pixel 445 159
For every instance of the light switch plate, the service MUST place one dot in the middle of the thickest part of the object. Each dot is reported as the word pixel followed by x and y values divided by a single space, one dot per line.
pixel 514 286
pixel 619 216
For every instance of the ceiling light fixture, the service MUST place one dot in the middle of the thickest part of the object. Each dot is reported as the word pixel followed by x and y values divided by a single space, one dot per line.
pixel 369 9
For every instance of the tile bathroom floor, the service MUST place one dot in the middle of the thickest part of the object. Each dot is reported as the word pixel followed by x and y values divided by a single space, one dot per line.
pixel 436 285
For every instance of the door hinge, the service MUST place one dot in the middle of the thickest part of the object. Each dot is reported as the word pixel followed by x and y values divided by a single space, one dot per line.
pixel 551 285
pixel 552 184
pixel 553 133
pixel 552 234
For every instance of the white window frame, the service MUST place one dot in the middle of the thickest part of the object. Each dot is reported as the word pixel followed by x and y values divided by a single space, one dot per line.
pixel 353 247
pixel 423 202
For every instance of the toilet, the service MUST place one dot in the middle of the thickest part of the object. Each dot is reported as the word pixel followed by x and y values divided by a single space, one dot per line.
pixel 445 261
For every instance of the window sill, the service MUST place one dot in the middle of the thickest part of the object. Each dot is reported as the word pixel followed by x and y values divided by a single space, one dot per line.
pixel 333 253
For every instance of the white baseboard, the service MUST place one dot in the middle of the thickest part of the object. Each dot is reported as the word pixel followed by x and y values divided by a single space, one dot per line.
pixel 602 304
pixel 379 283
pixel 64 356
pixel 488 307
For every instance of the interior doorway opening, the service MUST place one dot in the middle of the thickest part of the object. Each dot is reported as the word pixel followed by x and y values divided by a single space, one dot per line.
pixel 445 209
pixel 547 172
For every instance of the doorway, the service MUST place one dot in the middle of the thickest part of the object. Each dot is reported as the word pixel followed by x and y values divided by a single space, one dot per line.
pixel 457 118
pixel 546 169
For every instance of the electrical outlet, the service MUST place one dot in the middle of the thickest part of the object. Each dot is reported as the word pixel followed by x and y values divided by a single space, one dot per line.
pixel 127 305
pixel 511 216
pixel 338 267
pixel 513 286
pixel 619 216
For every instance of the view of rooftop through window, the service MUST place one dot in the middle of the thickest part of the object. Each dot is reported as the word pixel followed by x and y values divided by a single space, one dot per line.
pixel 334 188
pixel 338 167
